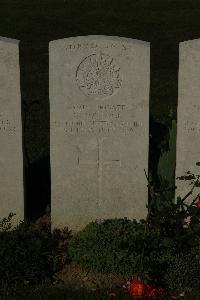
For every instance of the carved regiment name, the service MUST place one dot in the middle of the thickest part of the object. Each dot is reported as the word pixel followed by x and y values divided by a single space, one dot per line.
pixel 100 119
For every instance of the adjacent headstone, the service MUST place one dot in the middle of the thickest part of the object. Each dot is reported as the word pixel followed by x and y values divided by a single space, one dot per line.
pixel 99 114
pixel 11 158
pixel 188 119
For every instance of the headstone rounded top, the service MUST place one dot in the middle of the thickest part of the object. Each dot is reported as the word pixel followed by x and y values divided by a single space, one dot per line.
pixel 99 38
pixel 99 75
pixel 9 40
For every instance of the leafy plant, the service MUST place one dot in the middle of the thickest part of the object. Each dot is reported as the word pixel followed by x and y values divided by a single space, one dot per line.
pixel 30 254
pixel 178 224
pixel 166 164
pixel 111 246
pixel 5 223
pixel 183 272
pixel 144 248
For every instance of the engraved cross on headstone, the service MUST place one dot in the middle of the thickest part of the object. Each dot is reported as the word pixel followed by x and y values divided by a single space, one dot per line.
pixel 100 163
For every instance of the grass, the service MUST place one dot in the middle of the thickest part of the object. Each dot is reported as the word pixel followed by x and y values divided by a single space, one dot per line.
pixel 62 293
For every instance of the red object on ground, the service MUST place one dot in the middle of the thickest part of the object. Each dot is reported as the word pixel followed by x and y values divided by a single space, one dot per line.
pixel 137 288
pixel 198 203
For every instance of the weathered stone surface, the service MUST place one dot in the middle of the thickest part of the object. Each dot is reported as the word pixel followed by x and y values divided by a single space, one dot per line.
pixel 11 155
pixel 99 112
pixel 188 121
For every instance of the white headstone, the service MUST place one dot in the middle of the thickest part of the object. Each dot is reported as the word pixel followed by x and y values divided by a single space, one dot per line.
pixel 188 119
pixel 11 155
pixel 99 114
